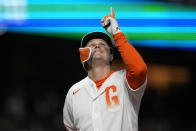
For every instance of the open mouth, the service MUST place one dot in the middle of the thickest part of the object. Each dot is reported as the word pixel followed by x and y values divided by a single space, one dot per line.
pixel 98 51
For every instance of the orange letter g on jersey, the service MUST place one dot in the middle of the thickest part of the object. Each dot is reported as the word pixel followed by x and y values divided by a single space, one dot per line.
pixel 113 98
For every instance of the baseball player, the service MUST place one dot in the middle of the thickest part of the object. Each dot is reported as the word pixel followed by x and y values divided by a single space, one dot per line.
pixel 106 100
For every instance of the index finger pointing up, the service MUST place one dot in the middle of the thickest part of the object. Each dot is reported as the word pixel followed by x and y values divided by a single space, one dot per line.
pixel 112 12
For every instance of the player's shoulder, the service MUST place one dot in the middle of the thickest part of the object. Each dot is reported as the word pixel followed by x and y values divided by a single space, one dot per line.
pixel 119 73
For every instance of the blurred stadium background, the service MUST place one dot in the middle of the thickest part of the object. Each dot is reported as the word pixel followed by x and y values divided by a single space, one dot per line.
pixel 40 59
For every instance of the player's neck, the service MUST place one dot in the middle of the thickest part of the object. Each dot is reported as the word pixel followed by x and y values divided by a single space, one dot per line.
pixel 97 73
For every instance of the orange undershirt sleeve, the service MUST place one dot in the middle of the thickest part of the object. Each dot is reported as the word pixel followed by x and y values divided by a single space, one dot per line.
pixel 136 67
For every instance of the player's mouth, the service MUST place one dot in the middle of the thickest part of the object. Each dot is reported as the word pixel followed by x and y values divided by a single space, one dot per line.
pixel 97 53
pixel 98 50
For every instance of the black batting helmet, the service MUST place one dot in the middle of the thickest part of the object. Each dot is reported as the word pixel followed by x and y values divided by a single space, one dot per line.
pixel 95 35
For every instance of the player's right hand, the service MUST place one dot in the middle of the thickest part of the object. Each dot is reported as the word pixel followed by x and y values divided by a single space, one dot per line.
pixel 85 54
pixel 110 23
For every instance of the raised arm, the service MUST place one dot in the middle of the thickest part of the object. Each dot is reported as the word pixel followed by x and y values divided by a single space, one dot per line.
pixel 136 67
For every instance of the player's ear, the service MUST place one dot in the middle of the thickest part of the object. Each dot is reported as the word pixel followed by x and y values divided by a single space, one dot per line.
pixel 111 57
pixel 111 54
pixel 111 50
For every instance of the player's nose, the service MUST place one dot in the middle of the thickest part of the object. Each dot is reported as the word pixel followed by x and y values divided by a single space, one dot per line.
pixel 97 46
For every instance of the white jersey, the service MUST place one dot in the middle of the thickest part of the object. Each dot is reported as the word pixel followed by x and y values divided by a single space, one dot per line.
pixel 114 107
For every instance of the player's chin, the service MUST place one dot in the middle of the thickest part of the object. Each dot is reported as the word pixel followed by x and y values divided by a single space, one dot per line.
pixel 97 56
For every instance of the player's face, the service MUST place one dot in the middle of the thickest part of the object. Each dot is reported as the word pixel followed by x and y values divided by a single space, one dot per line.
pixel 101 50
